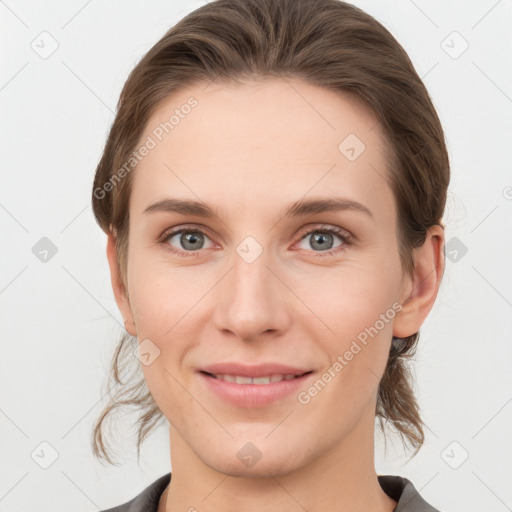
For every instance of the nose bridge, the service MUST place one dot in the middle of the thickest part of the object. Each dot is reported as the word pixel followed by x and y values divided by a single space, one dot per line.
pixel 250 270
pixel 252 300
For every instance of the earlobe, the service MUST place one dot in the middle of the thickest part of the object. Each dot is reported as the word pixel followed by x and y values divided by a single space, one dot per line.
pixel 423 287
pixel 118 286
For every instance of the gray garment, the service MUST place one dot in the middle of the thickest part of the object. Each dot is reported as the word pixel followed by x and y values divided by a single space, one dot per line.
pixel 397 487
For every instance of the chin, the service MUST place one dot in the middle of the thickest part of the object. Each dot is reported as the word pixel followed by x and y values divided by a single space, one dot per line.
pixel 273 466
pixel 254 455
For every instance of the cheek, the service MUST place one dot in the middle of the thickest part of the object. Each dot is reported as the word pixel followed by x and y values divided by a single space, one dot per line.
pixel 351 299
pixel 151 305
pixel 163 301
pixel 354 311
pixel 163 298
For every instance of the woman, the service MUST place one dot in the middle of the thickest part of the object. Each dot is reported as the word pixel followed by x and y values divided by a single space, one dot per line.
pixel 272 189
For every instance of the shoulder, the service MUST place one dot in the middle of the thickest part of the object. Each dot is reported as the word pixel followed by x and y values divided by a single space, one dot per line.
pixel 147 500
pixel 405 494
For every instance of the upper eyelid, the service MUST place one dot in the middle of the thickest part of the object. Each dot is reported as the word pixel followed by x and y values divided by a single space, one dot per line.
pixel 185 228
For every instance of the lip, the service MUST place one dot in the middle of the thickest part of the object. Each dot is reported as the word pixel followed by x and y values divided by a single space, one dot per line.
pixel 261 370
pixel 253 395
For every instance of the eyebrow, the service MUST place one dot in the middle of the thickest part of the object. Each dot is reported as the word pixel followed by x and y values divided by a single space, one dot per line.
pixel 297 209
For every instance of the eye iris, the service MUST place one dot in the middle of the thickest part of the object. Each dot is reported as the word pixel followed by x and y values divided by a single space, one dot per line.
pixel 190 238
pixel 320 238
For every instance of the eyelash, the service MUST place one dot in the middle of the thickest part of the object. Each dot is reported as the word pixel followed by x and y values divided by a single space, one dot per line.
pixel 345 237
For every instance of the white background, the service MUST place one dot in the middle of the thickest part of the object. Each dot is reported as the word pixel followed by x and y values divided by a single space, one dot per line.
pixel 59 321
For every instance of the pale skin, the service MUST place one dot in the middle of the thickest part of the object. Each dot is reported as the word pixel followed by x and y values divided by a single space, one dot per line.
pixel 249 151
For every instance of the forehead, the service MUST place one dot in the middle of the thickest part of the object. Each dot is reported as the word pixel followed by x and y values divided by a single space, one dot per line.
pixel 272 141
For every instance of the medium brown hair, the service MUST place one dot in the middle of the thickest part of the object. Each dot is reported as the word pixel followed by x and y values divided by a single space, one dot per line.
pixel 328 43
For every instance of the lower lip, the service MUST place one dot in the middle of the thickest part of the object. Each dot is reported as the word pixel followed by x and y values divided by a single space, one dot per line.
pixel 253 395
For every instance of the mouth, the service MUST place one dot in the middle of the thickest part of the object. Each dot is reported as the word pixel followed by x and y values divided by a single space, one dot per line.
pixel 242 391
pixel 263 380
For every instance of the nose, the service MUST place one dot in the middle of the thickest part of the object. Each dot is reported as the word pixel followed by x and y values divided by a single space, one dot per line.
pixel 253 300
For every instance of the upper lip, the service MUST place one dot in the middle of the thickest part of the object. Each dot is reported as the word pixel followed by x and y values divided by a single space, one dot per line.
pixel 261 370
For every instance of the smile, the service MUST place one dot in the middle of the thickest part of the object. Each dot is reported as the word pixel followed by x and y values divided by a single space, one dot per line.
pixel 239 379
pixel 262 391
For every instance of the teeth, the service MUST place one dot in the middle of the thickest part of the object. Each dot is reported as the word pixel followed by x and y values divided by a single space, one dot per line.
pixel 257 380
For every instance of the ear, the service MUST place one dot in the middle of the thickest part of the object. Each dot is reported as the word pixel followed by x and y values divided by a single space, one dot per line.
pixel 118 287
pixel 420 291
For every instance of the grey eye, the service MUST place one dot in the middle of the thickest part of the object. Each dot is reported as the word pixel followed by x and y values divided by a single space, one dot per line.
pixel 321 241
pixel 188 240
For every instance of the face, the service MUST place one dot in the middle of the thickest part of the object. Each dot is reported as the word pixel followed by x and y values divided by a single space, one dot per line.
pixel 318 289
